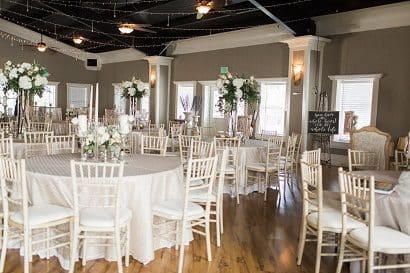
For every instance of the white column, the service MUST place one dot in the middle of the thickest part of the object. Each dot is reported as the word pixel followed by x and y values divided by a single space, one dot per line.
pixel 303 50
pixel 160 91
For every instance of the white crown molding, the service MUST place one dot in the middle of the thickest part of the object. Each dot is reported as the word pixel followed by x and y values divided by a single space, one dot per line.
pixel 34 37
pixel 265 34
pixel 306 42
pixel 160 60
pixel 380 17
pixel 121 55
pixel 353 76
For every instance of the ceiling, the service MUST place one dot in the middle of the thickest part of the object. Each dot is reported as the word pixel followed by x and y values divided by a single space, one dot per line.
pixel 169 20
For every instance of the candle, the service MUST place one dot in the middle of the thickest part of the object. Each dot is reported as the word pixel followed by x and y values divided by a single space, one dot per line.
pixel 82 125
pixel 124 127
pixel 96 103
pixel 90 105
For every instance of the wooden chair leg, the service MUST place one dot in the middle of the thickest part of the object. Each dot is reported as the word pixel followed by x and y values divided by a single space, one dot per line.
pixel 48 243
pixel 74 248
pixel 266 185
pixel 341 253
pixel 26 250
pixel 4 245
pixel 221 214
pixel 84 253
pixel 182 248
pixel 237 189
pixel 370 261
pixel 302 241
pixel 218 225
pixel 127 245
pixel 208 240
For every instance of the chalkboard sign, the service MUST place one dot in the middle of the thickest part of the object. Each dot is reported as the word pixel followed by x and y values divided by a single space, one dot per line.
pixel 323 122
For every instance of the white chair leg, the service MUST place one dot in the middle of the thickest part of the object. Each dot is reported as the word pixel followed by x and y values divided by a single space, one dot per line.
pixel 237 189
pixel 84 253
pixel 341 253
pixel 74 248
pixel 178 236
pixel 48 243
pixel 302 241
pixel 4 245
pixel 217 224
pixel 370 261
pixel 26 250
pixel 117 236
pixel 266 185
pixel 221 214
pixel 182 248
pixel 245 189
pixel 318 250
pixel 127 245
pixel 208 240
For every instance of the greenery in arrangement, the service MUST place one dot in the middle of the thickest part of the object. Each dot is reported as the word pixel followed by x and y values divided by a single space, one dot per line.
pixel 109 137
pixel 134 89
pixel 233 88
pixel 30 78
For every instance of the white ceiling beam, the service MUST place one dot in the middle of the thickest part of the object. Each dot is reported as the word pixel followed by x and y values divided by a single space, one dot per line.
pixel 380 17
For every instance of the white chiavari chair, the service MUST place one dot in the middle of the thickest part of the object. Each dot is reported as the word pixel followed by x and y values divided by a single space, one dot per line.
pixel 269 166
pixel 6 126
pixel 174 132
pixel 156 126
pixel 36 143
pixel 358 202
pixel 322 225
pixel 155 145
pixel 312 157
pixel 159 132
pixel 6 147
pixel 286 162
pixel 36 225
pixel 231 172
pixel 2 134
pixel 363 160
pixel 186 213
pixel 265 134
pixel 200 196
pixel 185 145
pixel 296 155
pixel 39 126
pixel 98 214
pixel 201 149
pixel 207 132
pixel 60 144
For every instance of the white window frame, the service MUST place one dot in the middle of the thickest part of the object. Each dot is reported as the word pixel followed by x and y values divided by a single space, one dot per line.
pixel 277 79
pixel 375 95
pixel 115 86
pixel 79 85
pixel 55 84
pixel 177 101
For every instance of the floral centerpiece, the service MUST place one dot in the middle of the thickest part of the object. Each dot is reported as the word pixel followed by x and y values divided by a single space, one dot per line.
pixel 233 89
pixel 108 137
pixel 27 80
pixel 133 90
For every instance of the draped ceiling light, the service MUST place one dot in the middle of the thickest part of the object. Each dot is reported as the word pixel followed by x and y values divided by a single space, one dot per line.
pixel 203 7
pixel 78 40
pixel 126 28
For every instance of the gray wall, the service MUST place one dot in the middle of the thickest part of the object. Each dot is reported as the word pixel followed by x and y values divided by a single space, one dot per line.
pixel 382 51
pixel 62 68
pixel 262 61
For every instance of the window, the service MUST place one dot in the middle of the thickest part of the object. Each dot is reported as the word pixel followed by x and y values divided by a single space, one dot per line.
pixel 272 106
pixel 145 101
pixel 8 102
pixel 49 97
pixel 186 91
pixel 78 95
pixel 357 94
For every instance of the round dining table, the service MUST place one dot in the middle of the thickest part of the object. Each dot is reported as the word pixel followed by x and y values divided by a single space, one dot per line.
pixel 147 180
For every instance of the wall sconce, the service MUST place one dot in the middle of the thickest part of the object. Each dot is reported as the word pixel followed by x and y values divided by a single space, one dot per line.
pixel 297 73
pixel 152 78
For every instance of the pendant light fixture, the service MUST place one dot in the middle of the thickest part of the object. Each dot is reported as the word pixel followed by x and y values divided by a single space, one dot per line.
pixel 78 40
pixel 41 46
pixel 203 7
pixel 126 28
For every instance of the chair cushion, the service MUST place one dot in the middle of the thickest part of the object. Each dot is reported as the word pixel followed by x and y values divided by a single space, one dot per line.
pixel 260 167
pixel 174 209
pixel 201 195
pixel 103 217
pixel 42 214
pixel 332 220
pixel 385 239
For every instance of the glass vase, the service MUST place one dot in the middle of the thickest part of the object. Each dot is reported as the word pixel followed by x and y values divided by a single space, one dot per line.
pixel 233 123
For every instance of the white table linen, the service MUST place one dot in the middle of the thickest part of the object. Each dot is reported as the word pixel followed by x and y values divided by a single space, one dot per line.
pixel 147 180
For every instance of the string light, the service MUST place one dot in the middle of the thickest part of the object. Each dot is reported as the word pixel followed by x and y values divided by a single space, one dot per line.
pixel 145 12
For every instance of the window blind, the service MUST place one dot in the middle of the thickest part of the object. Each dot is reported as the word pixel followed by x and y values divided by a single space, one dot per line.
pixel 354 95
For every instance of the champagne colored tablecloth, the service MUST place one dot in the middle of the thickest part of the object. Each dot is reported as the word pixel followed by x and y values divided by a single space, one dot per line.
pixel 147 180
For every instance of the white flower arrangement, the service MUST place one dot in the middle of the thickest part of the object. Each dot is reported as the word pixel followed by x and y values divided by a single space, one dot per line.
pixel 233 89
pixel 109 137
pixel 133 89
pixel 31 78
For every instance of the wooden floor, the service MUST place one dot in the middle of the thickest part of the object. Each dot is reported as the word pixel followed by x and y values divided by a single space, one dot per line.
pixel 259 237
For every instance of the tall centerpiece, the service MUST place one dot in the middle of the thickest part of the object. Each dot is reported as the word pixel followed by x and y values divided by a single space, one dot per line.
pixel 133 90
pixel 233 89
pixel 26 80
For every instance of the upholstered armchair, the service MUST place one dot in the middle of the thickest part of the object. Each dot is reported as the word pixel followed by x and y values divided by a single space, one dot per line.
pixel 372 139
